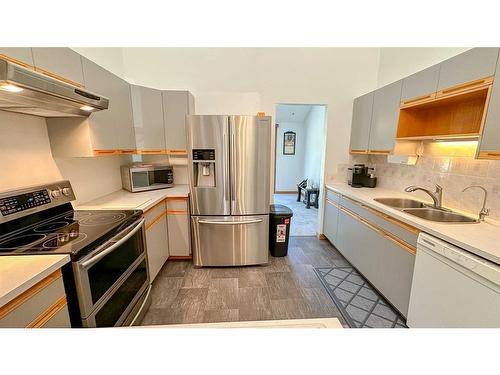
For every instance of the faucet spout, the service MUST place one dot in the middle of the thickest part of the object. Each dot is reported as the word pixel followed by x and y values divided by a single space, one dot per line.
pixel 437 196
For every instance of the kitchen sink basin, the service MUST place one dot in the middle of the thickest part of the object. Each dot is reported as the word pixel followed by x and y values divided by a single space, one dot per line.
pixel 439 215
pixel 400 202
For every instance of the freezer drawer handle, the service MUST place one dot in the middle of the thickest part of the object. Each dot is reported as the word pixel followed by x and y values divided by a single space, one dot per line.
pixel 230 222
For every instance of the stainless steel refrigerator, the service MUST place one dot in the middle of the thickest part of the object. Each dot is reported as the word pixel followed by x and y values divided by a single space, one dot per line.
pixel 229 174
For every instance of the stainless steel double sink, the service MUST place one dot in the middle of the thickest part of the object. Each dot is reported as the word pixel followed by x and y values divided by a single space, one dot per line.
pixel 427 212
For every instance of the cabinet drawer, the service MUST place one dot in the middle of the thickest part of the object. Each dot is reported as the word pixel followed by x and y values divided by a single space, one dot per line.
pixel 33 303
pixel 332 196
pixel 178 204
pixel 401 230
pixel 154 213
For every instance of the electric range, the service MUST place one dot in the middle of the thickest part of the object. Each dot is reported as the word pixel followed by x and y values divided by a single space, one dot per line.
pixel 107 281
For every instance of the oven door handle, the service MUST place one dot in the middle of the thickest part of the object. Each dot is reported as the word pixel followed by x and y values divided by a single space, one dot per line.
pixel 89 262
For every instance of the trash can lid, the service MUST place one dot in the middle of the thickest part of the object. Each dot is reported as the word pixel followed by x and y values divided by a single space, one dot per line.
pixel 280 210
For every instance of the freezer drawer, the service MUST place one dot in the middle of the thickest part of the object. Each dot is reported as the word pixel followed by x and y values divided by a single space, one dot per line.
pixel 230 240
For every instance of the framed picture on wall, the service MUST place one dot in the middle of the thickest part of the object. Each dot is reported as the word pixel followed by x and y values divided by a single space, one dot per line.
pixel 289 143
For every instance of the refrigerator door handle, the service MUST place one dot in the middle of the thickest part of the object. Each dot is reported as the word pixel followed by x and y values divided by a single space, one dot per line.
pixel 227 196
pixel 232 150
pixel 221 222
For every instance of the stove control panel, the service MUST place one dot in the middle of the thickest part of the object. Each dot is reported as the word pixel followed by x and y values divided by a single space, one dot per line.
pixel 23 202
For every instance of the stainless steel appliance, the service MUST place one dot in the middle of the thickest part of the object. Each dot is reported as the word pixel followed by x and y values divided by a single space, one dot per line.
pixel 26 91
pixel 142 177
pixel 107 281
pixel 229 173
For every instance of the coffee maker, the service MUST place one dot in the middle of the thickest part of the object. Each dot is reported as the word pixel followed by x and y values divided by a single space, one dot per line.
pixel 360 176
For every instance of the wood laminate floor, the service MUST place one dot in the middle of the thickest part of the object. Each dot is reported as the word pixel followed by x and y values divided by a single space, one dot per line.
pixel 287 288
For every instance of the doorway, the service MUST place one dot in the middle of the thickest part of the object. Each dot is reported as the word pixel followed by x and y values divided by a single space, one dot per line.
pixel 300 138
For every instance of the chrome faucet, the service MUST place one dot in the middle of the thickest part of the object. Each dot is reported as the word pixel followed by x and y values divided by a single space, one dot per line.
pixel 484 211
pixel 437 195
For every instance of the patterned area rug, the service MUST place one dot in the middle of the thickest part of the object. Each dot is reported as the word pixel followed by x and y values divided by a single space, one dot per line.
pixel 360 304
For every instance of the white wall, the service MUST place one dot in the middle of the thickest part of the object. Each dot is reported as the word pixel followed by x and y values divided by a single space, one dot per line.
pixel 27 160
pixel 290 168
pixel 397 63
pixel 315 136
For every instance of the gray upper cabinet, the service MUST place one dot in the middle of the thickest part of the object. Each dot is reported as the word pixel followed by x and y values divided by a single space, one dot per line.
pixel 386 103
pixel 176 105
pixel 21 54
pixel 114 127
pixel 490 140
pixel 471 65
pixel 63 62
pixel 420 84
pixel 147 106
pixel 361 119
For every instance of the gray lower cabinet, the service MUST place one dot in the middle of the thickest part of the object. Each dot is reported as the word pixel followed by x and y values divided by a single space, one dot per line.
pixel 470 65
pixel 176 105
pixel 147 106
pixel 113 128
pixel 489 146
pixel 21 54
pixel 330 221
pixel 157 243
pixel 420 84
pixel 63 62
pixel 386 103
pixel 361 120
pixel 382 261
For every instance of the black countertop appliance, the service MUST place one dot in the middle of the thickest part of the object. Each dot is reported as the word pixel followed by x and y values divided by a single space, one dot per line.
pixel 360 176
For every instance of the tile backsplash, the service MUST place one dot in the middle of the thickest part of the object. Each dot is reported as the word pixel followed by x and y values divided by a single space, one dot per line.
pixel 452 173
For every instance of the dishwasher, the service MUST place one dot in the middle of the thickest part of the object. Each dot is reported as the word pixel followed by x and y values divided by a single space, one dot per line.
pixel 452 288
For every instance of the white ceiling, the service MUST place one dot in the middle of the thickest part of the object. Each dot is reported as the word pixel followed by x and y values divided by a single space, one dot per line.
pixel 292 112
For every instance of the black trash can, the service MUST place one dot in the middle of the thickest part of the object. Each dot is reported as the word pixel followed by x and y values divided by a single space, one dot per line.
pixel 279 229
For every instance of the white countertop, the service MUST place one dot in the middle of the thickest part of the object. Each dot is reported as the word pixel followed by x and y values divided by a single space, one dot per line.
pixel 123 199
pixel 18 273
pixel 482 239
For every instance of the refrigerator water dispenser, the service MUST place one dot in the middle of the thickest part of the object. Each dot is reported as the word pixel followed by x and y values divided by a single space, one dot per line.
pixel 204 168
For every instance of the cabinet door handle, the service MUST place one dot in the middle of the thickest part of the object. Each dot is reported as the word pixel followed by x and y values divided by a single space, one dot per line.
pixel 418 98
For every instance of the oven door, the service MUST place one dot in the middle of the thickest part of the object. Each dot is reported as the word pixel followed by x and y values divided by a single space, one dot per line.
pixel 110 279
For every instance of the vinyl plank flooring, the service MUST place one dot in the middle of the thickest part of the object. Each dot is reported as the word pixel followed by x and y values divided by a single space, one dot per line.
pixel 286 288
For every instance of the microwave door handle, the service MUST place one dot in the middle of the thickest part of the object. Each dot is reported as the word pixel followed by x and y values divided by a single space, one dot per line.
pixel 89 262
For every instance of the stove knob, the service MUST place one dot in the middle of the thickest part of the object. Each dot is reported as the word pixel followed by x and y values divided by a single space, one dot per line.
pixel 66 191
pixel 55 194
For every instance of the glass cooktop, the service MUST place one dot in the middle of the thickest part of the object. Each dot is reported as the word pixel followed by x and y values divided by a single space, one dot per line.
pixel 71 232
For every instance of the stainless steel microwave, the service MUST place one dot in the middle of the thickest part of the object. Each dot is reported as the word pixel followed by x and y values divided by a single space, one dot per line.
pixel 142 177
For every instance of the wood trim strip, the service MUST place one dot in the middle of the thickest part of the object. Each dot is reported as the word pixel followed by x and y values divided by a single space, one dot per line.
pixel 333 191
pixel 418 100
pixel 322 237
pixel 16 61
pixel 156 205
pixel 183 199
pixel 106 152
pixel 332 203
pixel 23 297
pixel 177 212
pixel 155 220
pixel 465 87
pixel 127 152
pixel 489 155
pixel 58 77
pixel 379 152
pixel 358 151
pixel 439 136
pixel 176 152
pixel 151 152
pixel 40 321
